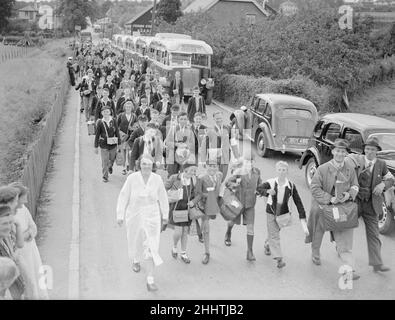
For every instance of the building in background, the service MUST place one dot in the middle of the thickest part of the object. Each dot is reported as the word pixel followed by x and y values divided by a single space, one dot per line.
pixel 141 23
pixel 29 13
pixel 233 11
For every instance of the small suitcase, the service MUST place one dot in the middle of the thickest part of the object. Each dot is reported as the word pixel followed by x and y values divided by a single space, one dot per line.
pixel 91 128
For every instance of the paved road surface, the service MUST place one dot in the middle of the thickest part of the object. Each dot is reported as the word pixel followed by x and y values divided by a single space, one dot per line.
pixel 105 272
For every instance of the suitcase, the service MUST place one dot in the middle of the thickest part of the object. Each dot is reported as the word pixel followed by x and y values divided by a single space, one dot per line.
pixel 91 128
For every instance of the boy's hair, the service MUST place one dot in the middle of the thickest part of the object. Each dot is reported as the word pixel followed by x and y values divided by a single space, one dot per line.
pixel 175 107
pixel 182 114
pixel 153 110
pixel 216 112
pixel 7 194
pixel 21 188
pixel 282 164
pixel 198 114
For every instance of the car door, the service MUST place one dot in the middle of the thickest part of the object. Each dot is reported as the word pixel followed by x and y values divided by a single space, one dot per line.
pixel 354 138
pixel 258 107
pixel 331 132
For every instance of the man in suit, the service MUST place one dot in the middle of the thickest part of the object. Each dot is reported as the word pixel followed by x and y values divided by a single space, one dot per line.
pixel 199 131
pixel 373 177
pixel 177 88
pixel 139 131
pixel 158 95
pixel 245 182
pixel 143 109
pixel 324 193
pixel 195 104
pixel 218 140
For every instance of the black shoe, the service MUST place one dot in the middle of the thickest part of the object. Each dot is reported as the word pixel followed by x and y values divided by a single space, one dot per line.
pixel 152 287
pixel 250 256
pixel 110 170
pixel 174 253
pixel 316 261
pixel 206 258
pixel 81 110
pixel 124 172
pixel 267 250
pixel 381 268
pixel 280 263
pixel 228 242
pixel 201 238
pixel 136 267
pixel 105 179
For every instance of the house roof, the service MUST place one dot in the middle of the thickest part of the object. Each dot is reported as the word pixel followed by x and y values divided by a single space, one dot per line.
pixel 28 8
pixel 131 21
pixel 205 5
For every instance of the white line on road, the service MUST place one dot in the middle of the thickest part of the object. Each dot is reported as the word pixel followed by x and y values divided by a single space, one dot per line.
pixel 74 258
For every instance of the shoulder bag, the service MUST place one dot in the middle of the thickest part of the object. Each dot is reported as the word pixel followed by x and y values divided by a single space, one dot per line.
pixel 110 141
pixel 340 216
pixel 285 220
pixel 180 216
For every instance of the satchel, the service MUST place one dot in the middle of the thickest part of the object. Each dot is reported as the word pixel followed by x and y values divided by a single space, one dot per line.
pixel 112 140
pixel 284 220
pixel 91 128
pixel 120 159
pixel 180 216
pixel 346 215
pixel 231 206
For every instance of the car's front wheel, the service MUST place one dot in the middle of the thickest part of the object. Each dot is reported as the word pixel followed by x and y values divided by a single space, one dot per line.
pixel 311 168
pixel 386 219
pixel 261 146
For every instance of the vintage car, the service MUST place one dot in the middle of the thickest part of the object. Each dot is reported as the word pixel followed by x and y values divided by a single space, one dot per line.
pixel 276 122
pixel 355 128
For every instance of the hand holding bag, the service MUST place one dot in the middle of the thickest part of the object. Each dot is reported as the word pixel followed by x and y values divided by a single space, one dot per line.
pixel 231 206
pixel 284 220
pixel 340 216
pixel 174 195
pixel 120 159
pixel 180 216
pixel 195 213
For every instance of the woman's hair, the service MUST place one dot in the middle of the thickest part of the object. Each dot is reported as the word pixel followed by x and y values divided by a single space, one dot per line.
pixel 21 188
pixel 5 211
pixel 182 114
pixel 282 164
pixel 198 114
pixel 146 156
pixel 7 194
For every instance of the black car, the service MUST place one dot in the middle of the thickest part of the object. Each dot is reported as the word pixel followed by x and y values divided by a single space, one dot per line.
pixel 355 128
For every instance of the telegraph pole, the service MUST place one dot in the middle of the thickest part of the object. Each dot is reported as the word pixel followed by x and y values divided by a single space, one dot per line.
pixel 153 18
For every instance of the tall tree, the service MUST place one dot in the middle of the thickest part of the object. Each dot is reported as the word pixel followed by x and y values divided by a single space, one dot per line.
pixel 169 10
pixel 74 13
pixel 5 12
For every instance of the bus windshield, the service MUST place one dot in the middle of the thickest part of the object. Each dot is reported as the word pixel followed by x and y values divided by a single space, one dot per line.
pixel 181 59
pixel 200 60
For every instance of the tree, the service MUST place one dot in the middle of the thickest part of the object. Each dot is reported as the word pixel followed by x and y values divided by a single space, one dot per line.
pixel 169 10
pixel 5 12
pixel 74 13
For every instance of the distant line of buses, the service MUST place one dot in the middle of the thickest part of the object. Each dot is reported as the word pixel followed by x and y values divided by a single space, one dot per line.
pixel 168 53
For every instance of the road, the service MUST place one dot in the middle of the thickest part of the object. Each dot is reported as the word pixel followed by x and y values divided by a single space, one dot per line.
pixel 104 271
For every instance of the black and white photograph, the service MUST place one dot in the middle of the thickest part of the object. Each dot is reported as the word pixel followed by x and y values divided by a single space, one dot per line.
pixel 197 150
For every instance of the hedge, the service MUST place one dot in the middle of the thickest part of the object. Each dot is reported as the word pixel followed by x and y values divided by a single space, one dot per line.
pixel 238 90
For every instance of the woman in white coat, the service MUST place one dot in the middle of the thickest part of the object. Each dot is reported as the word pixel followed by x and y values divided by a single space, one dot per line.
pixel 144 205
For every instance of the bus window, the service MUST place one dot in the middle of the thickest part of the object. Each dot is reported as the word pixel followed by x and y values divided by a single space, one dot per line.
pixel 200 60
pixel 180 59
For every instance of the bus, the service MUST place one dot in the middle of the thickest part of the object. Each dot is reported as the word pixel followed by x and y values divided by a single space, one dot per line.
pixel 170 52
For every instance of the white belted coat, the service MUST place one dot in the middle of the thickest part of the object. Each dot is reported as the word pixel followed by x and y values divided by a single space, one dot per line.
pixel 142 206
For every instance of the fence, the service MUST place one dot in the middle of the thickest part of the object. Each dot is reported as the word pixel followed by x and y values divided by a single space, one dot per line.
pixel 36 164
pixel 12 52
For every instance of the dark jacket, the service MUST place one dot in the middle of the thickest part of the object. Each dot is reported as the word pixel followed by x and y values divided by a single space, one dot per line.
pixel 290 191
pixel 111 89
pixel 146 112
pixel 135 134
pixel 83 85
pixel 173 87
pixel 99 106
pixel 101 135
pixel 159 106
pixel 156 97
pixel 124 124
pixel 138 150
pixel 121 102
pixel 193 107
pixel 199 134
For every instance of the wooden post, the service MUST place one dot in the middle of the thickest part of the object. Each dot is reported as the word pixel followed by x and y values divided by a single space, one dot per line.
pixel 153 18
